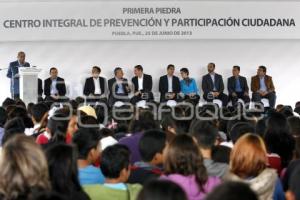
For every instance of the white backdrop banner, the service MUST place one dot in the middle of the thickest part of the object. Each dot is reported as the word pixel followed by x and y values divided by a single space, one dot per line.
pixel 138 20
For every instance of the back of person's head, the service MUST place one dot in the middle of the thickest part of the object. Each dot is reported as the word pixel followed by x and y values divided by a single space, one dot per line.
pixel 278 138
pixel 8 102
pixel 151 146
pixel 161 190
pixel 239 129
pixel 261 127
pixel 58 125
pixel 143 121
pixel 21 112
pixel 13 127
pixel 204 132
pixel 87 141
pixel 221 154
pixel 293 192
pixel 232 191
pixel 115 162
pixel 48 195
pixel 23 167
pixel 38 111
pixel 3 117
pixel 183 156
pixel 248 157
pixel 62 162
pixel 294 124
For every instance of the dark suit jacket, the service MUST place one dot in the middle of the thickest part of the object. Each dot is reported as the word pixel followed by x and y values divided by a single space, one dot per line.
pixel 40 87
pixel 255 83
pixel 113 87
pixel 89 86
pixel 13 69
pixel 163 85
pixel 208 86
pixel 147 83
pixel 231 84
pixel 60 86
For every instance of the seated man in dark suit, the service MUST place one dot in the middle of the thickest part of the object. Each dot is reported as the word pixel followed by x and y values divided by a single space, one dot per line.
pixel 13 74
pixel 142 84
pixel 95 87
pixel 262 87
pixel 118 87
pixel 40 90
pixel 237 87
pixel 169 85
pixel 54 87
pixel 213 86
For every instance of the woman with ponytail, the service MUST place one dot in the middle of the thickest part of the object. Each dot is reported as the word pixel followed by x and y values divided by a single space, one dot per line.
pixel 183 164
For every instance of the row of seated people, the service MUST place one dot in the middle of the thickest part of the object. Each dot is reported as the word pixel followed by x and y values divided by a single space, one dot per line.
pixel 170 87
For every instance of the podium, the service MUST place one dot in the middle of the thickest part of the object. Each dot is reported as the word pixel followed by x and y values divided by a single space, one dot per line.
pixel 29 84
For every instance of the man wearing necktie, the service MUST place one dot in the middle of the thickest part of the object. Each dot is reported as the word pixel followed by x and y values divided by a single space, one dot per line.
pixel 13 74
pixel 237 87
pixel 213 86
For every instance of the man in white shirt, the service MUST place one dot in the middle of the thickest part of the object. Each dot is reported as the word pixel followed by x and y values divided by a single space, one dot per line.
pixel 169 85
pixel 142 84
pixel 95 87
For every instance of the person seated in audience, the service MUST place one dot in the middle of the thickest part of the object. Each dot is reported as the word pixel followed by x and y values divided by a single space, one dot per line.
pixel 183 164
pixel 21 112
pixel 151 147
pixel 232 191
pixel 221 154
pixel 213 86
pixel 279 142
pixel 63 171
pixel 115 166
pixel 294 124
pixel 168 125
pixel 3 118
pixel 144 120
pixel 24 169
pixel 206 135
pixel 248 164
pixel 39 112
pixel 13 127
pixel 237 130
pixel 169 85
pixel 293 192
pixel 287 173
pixel 297 108
pixel 54 87
pixel 118 88
pixel 87 141
pixel 161 190
pixel 142 84
pixel 262 87
pixel 189 88
pixel 95 87
pixel 56 130
pixel 237 87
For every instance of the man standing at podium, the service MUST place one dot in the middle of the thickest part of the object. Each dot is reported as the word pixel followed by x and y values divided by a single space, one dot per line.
pixel 13 74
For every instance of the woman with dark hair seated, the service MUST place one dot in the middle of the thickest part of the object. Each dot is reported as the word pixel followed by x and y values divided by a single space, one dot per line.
pixel 189 88
pixel 161 190
pixel 63 171
pixel 183 164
